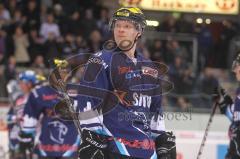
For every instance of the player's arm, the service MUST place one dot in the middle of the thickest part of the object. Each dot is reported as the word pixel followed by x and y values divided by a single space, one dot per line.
pixel 11 117
pixel 225 103
pixel 31 114
pixel 92 142
pixel 164 141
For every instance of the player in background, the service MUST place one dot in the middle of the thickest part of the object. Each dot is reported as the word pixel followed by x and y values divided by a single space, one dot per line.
pixel 58 139
pixel 231 109
pixel 26 82
pixel 134 128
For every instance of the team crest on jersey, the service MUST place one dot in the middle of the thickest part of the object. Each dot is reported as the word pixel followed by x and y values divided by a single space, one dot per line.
pixel 149 71
pixel 58 131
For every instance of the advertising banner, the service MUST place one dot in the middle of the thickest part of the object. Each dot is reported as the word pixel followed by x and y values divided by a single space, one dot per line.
pixel 194 6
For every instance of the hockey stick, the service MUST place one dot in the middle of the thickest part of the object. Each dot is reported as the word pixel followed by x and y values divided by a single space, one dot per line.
pixel 61 86
pixel 206 130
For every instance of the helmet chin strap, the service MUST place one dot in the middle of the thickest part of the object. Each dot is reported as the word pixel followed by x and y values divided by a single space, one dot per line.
pixel 135 40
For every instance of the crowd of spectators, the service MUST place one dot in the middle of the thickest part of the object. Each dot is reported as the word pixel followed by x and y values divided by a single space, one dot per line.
pixel 33 31
pixel 194 87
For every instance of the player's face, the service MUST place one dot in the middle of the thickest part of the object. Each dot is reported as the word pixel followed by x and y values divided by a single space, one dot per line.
pixel 25 86
pixel 237 72
pixel 124 30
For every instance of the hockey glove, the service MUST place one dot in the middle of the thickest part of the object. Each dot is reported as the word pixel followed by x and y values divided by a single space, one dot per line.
pixel 26 141
pixel 224 100
pixel 234 134
pixel 166 146
pixel 92 145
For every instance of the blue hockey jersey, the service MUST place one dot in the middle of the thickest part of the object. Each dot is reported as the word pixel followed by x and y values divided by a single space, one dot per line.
pixel 58 138
pixel 133 123
pixel 233 111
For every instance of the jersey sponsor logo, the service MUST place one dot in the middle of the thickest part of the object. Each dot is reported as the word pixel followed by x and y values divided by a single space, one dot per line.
pixel 49 97
pixel 150 71
pixel 144 144
pixel 99 145
pixel 236 116
pixel 57 148
pixel 122 70
pixel 142 100
pixel 61 130
pixel 97 60
pixel 133 74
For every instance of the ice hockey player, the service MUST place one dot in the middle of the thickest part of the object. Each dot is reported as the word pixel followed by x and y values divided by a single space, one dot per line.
pixel 232 110
pixel 18 92
pixel 134 128
pixel 58 139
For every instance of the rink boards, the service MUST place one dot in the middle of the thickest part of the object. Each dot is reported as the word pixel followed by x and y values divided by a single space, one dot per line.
pixel 189 135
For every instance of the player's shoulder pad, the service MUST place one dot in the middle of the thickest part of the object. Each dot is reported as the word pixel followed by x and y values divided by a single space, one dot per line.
pixel 39 89
pixel 103 54
pixel 142 58
pixel 102 58
pixel 238 91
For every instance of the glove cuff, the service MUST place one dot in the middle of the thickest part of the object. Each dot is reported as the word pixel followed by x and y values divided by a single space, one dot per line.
pixel 94 139
pixel 223 107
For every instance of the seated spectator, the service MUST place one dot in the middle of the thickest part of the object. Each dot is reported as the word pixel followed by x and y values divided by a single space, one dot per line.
pixel 52 47
pixel 21 45
pixel 18 18
pixel 82 46
pixel 36 44
pixel 143 49
pixel 176 74
pixel 11 5
pixel 10 69
pixel 157 51
pixel 183 103
pixel 103 24
pixel 179 50
pixel 75 24
pixel 32 14
pixel 2 45
pixel 39 62
pixel 168 24
pixel 208 82
pixel 69 46
pixel 206 85
pixel 95 41
pixel 60 16
pixel 89 23
pixel 49 27
pixel 4 16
